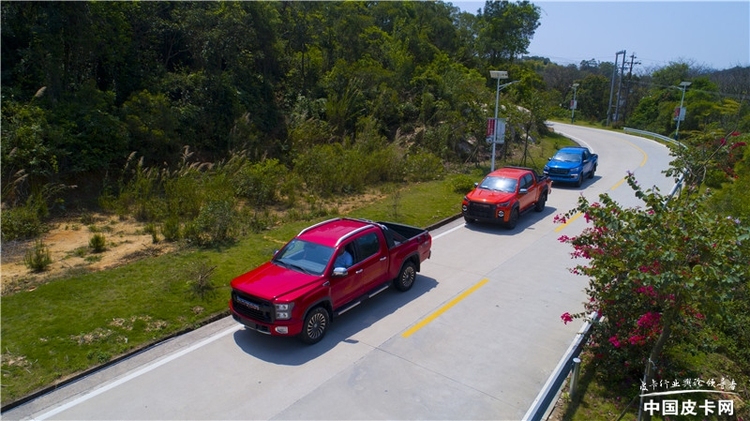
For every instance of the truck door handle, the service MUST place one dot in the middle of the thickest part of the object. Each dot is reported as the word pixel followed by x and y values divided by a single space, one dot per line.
pixel 359 271
pixel 383 258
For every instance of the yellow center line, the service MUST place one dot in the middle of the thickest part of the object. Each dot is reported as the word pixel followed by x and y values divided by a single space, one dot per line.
pixel 571 219
pixel 645 155
pixel 618 184
pixel 443 309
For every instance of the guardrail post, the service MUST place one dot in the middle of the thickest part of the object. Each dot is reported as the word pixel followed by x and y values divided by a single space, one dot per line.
pixel 575 375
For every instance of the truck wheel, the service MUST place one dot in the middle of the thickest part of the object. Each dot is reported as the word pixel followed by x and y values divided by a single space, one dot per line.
pixel 406 277
pixel 315 326
pixel 469 220
pixel 541 202
pixel 580 180
pixel 513 219
pixel 593 171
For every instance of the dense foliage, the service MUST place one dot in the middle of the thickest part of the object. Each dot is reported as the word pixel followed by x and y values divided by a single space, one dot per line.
pixel 87 86
pixel 324 89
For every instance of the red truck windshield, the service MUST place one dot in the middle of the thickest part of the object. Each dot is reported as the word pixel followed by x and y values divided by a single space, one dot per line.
pixel 503 184
pixel 304 256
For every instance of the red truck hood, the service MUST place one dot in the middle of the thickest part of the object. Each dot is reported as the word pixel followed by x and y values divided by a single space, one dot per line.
pixel 489 196
pixel 271 281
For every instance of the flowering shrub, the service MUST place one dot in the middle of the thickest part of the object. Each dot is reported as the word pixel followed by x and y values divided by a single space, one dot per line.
pixel 655 273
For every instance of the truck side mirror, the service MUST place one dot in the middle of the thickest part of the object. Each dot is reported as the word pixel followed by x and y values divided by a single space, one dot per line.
pixel 340 272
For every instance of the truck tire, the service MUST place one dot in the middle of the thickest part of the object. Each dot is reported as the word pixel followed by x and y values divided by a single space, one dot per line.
pixel 469 220
pixel 315 326
pixel 513 219
pixel 593 171
pixel 541 202
pixel 406 277
pixel 580 180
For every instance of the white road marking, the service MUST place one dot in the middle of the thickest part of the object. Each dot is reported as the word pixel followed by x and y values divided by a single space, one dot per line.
pixel 447 232
pixel 138 373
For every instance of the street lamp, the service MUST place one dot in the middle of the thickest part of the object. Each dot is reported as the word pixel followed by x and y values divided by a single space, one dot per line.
pixel 574 104
pixel 497 74
pixel 681 112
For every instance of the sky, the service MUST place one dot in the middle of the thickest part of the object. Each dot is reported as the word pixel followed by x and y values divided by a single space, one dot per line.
pixel 712 34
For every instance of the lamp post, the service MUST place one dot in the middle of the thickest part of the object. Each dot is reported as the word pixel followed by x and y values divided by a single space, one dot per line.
pixel 496 74
pixel 681 113
pixel 574 105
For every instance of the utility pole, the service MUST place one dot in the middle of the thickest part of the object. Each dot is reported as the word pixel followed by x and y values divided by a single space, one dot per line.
pixel 619 88
pixel 612 87
pixel 629 85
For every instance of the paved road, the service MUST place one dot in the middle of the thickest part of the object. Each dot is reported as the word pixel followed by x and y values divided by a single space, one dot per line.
pixel 476 338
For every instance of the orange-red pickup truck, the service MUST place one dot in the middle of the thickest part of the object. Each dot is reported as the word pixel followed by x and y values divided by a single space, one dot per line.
pixel 504 194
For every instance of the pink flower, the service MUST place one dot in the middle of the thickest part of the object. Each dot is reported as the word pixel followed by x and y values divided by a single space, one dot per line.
pixel 566 317
pixel 613 340
pixel 649 319
pixel 637 340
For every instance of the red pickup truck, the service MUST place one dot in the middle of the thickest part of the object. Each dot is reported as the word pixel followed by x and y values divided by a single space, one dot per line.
pixel 326 270
pixel 504 194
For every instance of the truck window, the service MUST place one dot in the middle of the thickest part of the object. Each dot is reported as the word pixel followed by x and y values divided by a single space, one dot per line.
pixel 367 245
pixel 526 182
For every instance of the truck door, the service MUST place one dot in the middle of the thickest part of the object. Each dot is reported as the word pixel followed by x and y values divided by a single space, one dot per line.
pixel 586 162
pixel 372 261
pixel 526 200
pixel 345 288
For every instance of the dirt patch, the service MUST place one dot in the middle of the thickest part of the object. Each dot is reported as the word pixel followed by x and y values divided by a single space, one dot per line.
pixel 68 244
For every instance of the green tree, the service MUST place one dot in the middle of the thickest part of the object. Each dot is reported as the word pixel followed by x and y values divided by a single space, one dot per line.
pixel 506 30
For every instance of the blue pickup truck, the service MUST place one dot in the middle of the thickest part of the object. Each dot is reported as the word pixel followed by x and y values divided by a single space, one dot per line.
pixel 571 164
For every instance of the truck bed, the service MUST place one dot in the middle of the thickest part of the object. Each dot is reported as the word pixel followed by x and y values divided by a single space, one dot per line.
pixel 396 234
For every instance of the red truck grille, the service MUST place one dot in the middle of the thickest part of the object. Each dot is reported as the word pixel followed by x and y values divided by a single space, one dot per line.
pixel 480 210
pixel 252 307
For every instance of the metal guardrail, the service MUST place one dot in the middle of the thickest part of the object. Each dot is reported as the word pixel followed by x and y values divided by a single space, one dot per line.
pixel 651 134
pixel 545 398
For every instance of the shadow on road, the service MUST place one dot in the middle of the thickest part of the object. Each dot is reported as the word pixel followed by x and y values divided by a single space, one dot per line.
pixel 526 221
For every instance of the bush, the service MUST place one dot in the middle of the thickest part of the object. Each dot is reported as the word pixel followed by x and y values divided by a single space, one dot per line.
pixel 170 229
pixel 200 280
pixel 260 182
pixel 216 223
pixel 331 169
pixel 38 258
pixel 21 223
pixel 462 183
pixel 98 243
pixel 423 166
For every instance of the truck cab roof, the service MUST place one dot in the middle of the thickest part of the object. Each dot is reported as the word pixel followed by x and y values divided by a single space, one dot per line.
pixel 333 231
pixel 511 172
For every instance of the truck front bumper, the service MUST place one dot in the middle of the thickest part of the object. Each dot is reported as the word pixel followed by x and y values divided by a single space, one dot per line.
pixel 286 328
pixel 485 212
pixel 564 178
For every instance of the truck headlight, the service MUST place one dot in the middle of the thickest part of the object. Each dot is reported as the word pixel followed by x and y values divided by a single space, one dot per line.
pixel 503 205
pixel 284 311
